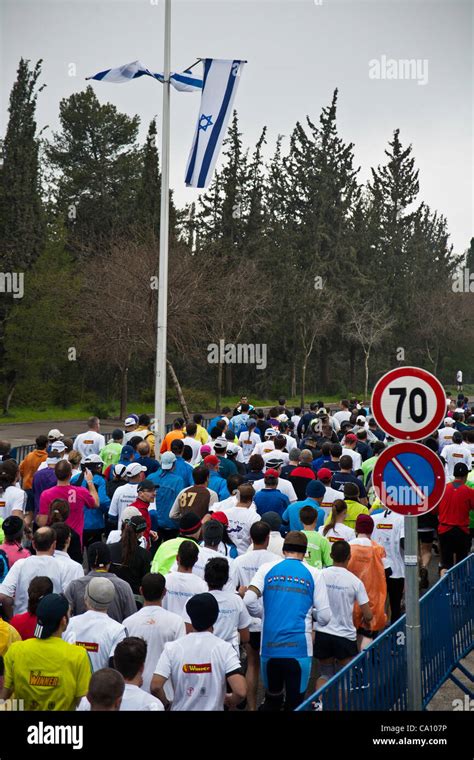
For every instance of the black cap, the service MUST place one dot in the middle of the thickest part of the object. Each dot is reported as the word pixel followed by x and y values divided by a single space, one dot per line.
pixel 98 554
pixel 203 611
pixel 189 524
pixel 51 609
pixel 147 485
pixel 272 519
pixel 460 470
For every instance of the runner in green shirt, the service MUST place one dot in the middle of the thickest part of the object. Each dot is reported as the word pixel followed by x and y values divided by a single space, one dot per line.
pixel 354 508
pixel 189 530
pixel 369 463
pixel 318 552
pixel 110 454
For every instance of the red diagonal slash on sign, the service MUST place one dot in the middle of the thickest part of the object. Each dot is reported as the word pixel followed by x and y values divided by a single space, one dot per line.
pixel 409 479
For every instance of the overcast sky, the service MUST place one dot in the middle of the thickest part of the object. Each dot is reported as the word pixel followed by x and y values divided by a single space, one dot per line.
pixel 298 51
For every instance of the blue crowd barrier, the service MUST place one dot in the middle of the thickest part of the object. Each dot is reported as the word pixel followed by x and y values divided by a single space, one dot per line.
pixel 377 678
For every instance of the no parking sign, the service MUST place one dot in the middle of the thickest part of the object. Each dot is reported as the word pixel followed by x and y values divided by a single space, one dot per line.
pixel 409 478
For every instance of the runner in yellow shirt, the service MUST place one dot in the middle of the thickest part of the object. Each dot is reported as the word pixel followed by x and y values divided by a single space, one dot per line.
pixel 46 672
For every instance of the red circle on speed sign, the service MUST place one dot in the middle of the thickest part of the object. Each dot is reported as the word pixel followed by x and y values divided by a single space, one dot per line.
pixel 409 403
pixel 409 478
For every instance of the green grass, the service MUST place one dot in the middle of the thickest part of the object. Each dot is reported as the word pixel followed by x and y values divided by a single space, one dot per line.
pixel 21 414
pixel 81 411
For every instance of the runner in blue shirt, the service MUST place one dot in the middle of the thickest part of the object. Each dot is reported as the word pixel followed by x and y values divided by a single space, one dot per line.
pixel 293 594
pixel 270 499
pixel 315 491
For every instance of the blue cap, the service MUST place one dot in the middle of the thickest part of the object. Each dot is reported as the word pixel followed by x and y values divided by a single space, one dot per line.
pixel 315 489
pixel 127 453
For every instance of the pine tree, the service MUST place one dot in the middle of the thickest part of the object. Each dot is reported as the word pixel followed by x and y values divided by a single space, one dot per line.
pixel 148 199
pixel 21 218
pixel 470 256
pixel 42 326
pixel 394 188
pixel 99 165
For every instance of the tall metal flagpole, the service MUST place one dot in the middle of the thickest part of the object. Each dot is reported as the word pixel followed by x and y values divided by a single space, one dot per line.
pixel 160 367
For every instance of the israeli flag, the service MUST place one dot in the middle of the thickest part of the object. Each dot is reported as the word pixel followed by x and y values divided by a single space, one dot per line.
pixel 220 82
pixel 185 82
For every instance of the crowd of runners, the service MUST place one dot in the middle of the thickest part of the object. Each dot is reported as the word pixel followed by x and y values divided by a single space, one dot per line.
pixel 247 550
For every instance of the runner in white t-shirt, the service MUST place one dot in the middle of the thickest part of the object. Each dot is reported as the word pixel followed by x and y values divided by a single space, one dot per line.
pixel 249 439
pixel 12 502
pixel 126 494
pixel 233 622
pixel 389 532
pixel 241 517
pixel 182 584
pixel 193 442
pixel 91 442
pixel 343 415
pixel 349 449
pixel 94 629
pixel 199 664
pixel 335 530
pixel 154 624
pixel 331 494
pixel 129 661
pixel 213 532
pixel 335 644
pixel 245 568
pixel 283 485
pixel 267 444
pixel 445 434
pixel 456 452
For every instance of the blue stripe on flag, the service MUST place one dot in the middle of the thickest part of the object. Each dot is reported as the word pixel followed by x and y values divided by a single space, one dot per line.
pixel 189 174
pixel 100 75
pixel 217 128
pixel 187 80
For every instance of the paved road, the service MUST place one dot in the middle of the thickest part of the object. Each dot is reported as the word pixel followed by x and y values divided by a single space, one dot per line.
pixel 19 434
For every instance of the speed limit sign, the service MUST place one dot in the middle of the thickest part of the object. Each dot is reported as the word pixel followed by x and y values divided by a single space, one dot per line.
pixel 409 403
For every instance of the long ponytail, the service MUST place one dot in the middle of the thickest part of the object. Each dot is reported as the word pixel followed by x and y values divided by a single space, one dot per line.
pixel 129 542
pixel 338 507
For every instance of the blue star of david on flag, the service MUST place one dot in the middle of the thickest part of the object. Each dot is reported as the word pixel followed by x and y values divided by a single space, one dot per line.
pixel 205 122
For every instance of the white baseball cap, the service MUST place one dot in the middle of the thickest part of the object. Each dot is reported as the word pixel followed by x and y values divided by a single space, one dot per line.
pixel 134 469
pixel 449 421
pixel 132 420
pixel 167 460
pixel 58 446
pixel 92 459
pixel 55 433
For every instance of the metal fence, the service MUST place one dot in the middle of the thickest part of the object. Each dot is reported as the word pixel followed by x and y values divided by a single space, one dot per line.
pixel 376 678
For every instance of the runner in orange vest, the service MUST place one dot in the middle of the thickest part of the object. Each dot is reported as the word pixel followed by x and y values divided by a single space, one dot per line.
pixel 367 562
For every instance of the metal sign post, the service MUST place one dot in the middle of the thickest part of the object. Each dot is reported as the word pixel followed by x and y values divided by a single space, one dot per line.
pixel 412 608
pixel 409 403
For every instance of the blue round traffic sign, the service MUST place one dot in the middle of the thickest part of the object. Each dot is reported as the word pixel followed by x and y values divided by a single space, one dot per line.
pixel 409 478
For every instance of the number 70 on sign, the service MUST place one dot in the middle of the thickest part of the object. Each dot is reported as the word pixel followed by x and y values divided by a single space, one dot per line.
pixel 409 403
